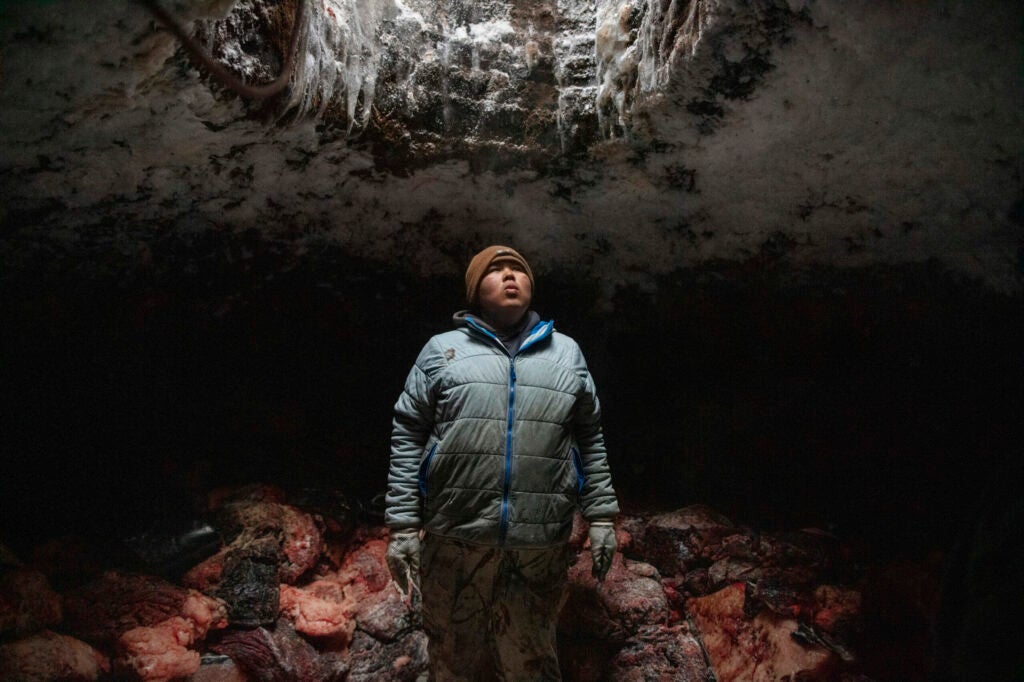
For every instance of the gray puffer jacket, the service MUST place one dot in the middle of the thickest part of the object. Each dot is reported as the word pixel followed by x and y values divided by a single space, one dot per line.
pixel 497 450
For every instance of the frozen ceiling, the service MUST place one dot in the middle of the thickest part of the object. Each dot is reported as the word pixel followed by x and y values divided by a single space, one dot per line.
pixel 629 138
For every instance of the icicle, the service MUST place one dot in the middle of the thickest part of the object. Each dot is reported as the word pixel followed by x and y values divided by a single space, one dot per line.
pixel 633 61
pixel 446 107
pixel 574 61
pixel 341 60
pixel 616 55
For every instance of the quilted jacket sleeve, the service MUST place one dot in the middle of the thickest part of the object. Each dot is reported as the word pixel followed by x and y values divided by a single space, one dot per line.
pixel 411 428
pixel 597 499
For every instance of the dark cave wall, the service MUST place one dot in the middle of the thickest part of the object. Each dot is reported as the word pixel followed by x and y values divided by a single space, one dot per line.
pixel 875 402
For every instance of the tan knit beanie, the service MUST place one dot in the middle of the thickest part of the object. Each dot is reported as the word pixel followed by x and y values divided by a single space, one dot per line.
pixel 481 261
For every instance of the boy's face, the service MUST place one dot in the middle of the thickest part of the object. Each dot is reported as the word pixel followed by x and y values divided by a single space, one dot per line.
pixel 504 289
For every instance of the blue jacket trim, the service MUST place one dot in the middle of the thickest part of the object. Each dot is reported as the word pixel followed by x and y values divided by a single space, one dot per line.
pixel 424 468
pixel 577 463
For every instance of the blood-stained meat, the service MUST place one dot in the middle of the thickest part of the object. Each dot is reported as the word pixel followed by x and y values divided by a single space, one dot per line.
pixel 104 609
pixel 758 649
pixel 359 594
pixel 47 656
pixel 320 609
pixel 297 536
pixel 377 606
pixel 268 532
pixel 278 654
pixel 269 543
pixel 157 653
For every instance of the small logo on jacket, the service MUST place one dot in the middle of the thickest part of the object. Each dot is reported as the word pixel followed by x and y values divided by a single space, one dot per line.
pixel 449 354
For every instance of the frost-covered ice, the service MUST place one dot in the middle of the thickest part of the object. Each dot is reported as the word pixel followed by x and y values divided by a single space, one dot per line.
pixel 483 32
pixel 634 63
pixel 341 59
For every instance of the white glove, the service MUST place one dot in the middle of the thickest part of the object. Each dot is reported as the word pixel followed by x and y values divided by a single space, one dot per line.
pixel 602 547
pixel 403 557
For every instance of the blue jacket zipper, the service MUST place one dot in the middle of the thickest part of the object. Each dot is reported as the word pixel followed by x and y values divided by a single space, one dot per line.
pixel 503 528
pixel 507 485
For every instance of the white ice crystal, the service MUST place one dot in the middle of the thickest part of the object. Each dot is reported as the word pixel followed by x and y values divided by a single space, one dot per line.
pixel 339 58
pixel 634 62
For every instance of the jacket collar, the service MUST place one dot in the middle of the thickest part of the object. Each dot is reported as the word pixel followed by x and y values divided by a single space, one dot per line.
pixel 539 332
pixel 535 331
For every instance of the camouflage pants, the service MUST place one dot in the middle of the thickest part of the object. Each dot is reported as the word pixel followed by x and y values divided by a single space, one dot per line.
pixel 491 613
